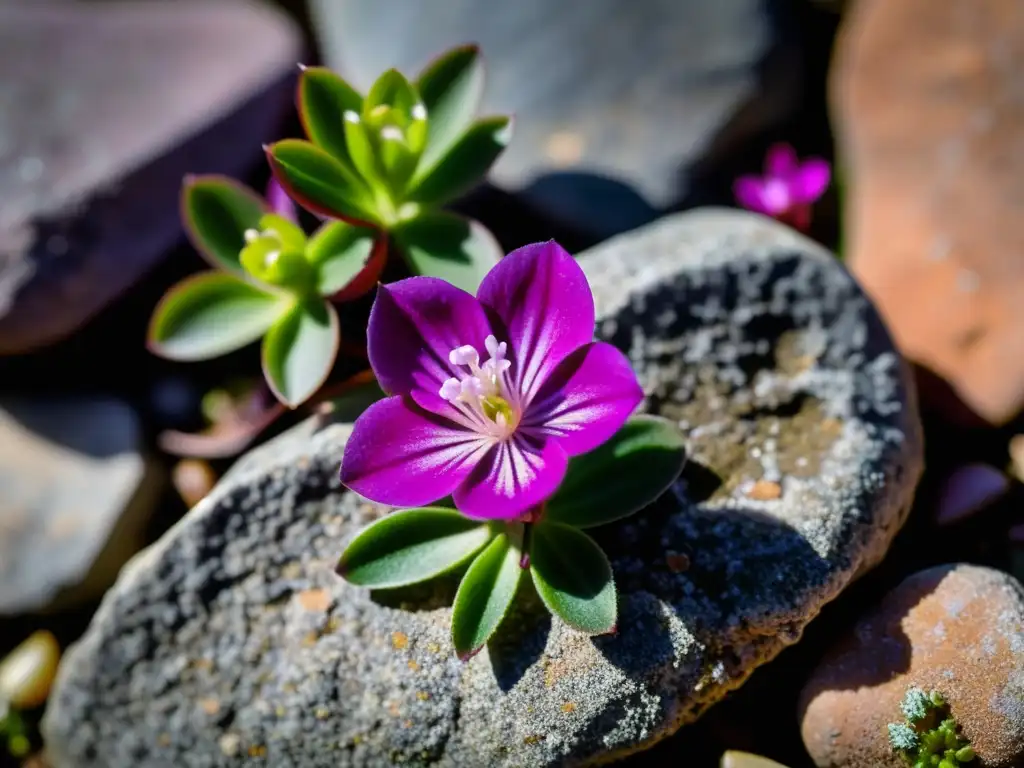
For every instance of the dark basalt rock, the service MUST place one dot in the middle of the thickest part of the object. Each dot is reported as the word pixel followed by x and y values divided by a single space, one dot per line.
pixel 104 107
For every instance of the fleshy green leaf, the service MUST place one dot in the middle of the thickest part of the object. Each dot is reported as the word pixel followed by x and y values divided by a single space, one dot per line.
pixel 451 88
pixel 573 577
pixel 465 164
pixel 410 546
pixel 299 351
pixel 320 183
pixel 216 211
pixel 620 477
pixel 484 596
pixel 211 314
pixel 448 246
pixel 324 97
pixel 348 259
pixel 391 91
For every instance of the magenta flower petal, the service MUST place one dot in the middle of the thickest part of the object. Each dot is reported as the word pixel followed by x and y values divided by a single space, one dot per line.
pixel 781 161
pixel 414 325
pixel 749 192
pixel 586 400
pixel 810 181
pixel 541 296
pixel 279 202
pixel 514 476
pixel 402 456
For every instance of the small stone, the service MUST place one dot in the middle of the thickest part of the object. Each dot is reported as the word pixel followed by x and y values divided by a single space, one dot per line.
pixel 765 490
pixel 733 759
pixel 956 630
pixel 72 476
pixel 230 743
pixel 1016 448
pixel 315 600
pixel 210 706
pixel 677 562
pixel 968 490
pixel 193 479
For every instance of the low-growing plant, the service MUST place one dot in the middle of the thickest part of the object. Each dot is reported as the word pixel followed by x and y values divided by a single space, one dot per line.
pixel 533 445
pixel 929 737
pixel 378 168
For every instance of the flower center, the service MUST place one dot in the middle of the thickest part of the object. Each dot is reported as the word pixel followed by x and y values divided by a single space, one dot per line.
pixel 776 195
pixel 483 394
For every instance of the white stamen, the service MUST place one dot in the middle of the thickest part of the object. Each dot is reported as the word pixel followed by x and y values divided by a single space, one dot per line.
pixel 391 133
pixel 271 258
pixel 494 349
pixel 418 112
pixel 472 387
pixel 464 355
pixel 450 390
pixel 351 116
pixel 477 392
pixel 251 235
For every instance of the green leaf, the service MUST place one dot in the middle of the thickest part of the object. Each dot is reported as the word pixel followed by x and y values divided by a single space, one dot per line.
pixel 320 183
pixel 211 314
pixel 299 351
pixel 392 94
pixel 464 165
pixel 484 596
pixel 622 476
pixel 348 259
pixel 324 97
pixel 573 577
pixel 410 546
pixel 451 88
pixel 448 246
pixel 216 212
pixel 364 156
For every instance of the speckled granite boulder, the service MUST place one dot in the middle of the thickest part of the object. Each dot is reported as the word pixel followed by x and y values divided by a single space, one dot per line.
pixel 957 629
pixel 232 636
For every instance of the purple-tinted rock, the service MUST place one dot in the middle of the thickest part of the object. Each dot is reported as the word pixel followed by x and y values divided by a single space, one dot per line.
pixel 103 108
pixel 968 490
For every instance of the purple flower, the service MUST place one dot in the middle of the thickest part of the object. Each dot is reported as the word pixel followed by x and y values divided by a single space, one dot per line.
pixel 788 188
pixel 491 395
pixel 279 202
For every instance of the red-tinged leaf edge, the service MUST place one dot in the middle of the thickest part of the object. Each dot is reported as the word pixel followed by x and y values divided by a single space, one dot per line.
pixel 332 313
pixel 192 179
pixel 314 208
pixel 365 281
pixel 219 442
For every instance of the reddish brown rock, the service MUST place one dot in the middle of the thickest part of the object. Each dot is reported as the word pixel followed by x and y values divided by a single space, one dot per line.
pixel 103 107
pixel 956 629
pixel 929 109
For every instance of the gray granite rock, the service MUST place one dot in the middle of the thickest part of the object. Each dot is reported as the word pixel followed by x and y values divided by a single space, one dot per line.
pixel 232 636
pixel 75 494
pixel 615 102
pixel 103 108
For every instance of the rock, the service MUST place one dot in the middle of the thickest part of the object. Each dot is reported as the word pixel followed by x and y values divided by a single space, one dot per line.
pixel 734 759
pixel 957 629
pixel 754 338
pixel 969 489
pixel 105 106
pixel 75 493
pixel 927 107
pixel 605 128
